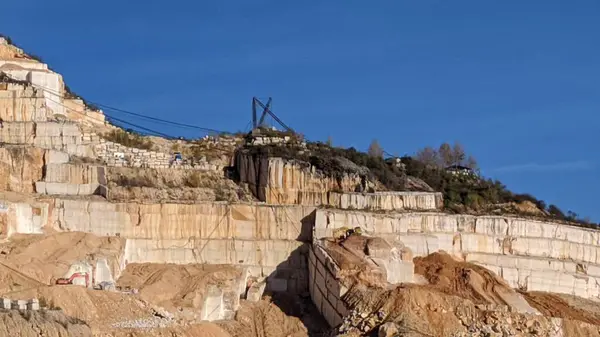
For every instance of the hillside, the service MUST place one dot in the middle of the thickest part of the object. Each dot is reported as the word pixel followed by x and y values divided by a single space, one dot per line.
pixel 110 232
pixel 470 194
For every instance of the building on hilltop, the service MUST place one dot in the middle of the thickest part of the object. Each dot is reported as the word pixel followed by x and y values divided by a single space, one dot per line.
pixel 460 170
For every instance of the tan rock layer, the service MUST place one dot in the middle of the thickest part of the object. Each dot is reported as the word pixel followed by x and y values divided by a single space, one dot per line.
pixel 20 168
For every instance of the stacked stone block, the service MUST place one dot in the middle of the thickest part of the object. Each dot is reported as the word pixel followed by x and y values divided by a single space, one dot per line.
pixel 325 288
pixel 114 154
pixel 8 304
pixel 213 308
pixel 62 178
pixel 64 137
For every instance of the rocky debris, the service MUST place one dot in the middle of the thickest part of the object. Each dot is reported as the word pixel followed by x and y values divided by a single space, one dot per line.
pixel 144 323
pixel 362 321
pixel 41 323
pixel 256 290
pixel 264 319
pixel 506 323
pixel 108 286
pixel 389 329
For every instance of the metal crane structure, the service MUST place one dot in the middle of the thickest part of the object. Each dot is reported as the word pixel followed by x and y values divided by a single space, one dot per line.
pixel 259 122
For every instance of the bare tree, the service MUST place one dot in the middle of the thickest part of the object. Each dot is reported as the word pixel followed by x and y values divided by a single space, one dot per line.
pixel 446 154
pixel 428 156
pixel 458 154
pixel 471 163
pixel 375 150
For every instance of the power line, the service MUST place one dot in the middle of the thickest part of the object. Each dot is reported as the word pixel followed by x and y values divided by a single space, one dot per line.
pixel 158 119
pixel 135 113
pixel 117 119
pixel 141 127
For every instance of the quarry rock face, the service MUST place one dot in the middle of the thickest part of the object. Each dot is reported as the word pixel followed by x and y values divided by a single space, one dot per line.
pixel 54 181
pixel 20 168
pixel 276 181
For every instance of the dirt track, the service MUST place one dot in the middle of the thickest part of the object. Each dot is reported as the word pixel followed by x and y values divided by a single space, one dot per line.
pixel 555 305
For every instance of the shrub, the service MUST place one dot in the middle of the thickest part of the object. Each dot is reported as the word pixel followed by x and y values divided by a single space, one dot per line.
pixel 129 139
pixel 194 180
pixel 135 181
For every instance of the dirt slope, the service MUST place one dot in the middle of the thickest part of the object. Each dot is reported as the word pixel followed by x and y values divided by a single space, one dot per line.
pixel 172 286
pixel 463 279
pixel 565 306
pixel 263 319
pixel 43 258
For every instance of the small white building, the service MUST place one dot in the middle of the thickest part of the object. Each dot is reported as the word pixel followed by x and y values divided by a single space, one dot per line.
pixel 460 170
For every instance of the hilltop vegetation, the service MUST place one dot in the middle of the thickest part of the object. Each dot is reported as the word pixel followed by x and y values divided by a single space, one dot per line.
pixel 469 193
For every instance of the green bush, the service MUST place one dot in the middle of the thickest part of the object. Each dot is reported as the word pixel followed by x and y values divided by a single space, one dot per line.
pixel 476 193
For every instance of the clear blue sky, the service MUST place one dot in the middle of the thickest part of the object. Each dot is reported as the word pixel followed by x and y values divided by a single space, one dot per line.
pixel 516 82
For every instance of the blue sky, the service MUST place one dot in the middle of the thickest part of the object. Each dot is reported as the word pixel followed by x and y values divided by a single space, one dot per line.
pixel 516 82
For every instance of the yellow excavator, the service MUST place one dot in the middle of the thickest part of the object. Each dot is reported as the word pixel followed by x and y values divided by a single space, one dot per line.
pixel 342 233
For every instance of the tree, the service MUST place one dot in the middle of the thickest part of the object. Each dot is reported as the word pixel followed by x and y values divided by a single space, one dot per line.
pixel 329 141
pixel 458 154
pixel 375 150
pixel 445 154
pixel 555 211
pixel 428 156
pixel 471 163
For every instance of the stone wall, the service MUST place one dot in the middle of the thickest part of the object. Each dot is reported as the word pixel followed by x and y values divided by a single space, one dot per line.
pixel 114 154
pixel 325 289
pixel 68 138
pixel 64 137
pixel 528 254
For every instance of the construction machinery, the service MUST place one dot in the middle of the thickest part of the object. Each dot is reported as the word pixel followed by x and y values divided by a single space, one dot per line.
pixel 74 279
pixel 82 273
pixel 342 233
